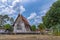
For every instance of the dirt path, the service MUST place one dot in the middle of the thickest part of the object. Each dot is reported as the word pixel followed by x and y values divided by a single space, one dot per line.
pixel 28 37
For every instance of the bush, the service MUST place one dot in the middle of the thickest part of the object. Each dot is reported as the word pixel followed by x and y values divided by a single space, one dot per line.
pixel 56 30
pixel 8 27
pixel 41 28
pixel 33 28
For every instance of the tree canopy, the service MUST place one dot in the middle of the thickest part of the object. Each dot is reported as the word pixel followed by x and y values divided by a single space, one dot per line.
pixel 8 27
pixel 33 28
pixel 52 17
pixel 41 26
pixel 4 19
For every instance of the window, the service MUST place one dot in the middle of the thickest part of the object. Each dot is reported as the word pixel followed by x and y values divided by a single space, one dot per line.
pixel 19 27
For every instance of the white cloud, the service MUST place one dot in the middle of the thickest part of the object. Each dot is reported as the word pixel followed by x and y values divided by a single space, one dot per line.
pixel 23 1
pixel 14 2
pixel 1 6
pixel 4 1
pixel 11 7
pixel 22 9
pixel 7 11
pixel 32 16
pixel 44 11
pixel 44 8
pixel 37 18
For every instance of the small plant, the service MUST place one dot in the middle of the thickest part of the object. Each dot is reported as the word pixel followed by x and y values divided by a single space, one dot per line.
pixel 8 27
pixel 41 27
pixel 33 28
pixel 56 30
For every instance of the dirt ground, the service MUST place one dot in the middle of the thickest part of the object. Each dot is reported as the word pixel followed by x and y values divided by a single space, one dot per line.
pixel 29 37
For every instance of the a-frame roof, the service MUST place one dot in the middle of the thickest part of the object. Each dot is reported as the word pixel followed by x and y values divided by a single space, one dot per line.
pixel 23 19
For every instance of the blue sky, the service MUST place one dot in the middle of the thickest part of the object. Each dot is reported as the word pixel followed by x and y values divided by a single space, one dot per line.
pixel 32 10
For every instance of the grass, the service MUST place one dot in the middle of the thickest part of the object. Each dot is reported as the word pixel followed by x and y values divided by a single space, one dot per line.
pixel 29 37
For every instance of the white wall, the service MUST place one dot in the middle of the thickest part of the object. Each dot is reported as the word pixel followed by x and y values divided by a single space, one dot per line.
pixel 2 30
pixel 18 31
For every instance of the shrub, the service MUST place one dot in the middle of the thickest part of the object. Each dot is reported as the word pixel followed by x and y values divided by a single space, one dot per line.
pixel 33 28
pixel 8 27
pixel 56 30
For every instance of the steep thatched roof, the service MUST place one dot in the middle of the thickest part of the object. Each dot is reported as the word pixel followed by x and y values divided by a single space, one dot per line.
pixel 23 19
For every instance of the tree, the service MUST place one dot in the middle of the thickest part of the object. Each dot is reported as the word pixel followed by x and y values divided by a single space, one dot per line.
pixel 11 20
pixel 0 20
pixel 41 27
pixel 52 17
pixel 33 28
pixel 8 27
pixel 56 30
pixel 4 19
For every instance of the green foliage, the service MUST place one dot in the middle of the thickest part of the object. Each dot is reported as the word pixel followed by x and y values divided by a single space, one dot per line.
pixel 8 27
pixel 41 26
pixel 52 17
pixel 4 19
pixel 11 20
pixel 56 30
pixel 33 28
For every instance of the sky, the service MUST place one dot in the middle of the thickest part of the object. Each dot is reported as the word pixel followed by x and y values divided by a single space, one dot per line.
pixel 32 10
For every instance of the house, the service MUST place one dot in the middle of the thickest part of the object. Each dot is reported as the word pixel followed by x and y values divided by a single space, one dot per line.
pixel 21 25
pixel 2 30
